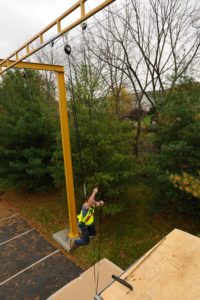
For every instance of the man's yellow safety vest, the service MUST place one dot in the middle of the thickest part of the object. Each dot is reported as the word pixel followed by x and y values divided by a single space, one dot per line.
pixel 89 217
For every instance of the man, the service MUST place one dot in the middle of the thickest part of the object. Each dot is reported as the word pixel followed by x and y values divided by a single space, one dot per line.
pixel 86 221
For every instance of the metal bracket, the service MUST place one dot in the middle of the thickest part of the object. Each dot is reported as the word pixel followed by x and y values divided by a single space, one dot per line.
pixel 123 282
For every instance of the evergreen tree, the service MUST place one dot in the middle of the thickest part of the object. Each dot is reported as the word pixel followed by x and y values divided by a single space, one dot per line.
pixel 103 140
pixel 28 127
pixel 178 141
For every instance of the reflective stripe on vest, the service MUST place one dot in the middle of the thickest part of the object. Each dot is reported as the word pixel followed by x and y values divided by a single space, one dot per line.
pixel 89 217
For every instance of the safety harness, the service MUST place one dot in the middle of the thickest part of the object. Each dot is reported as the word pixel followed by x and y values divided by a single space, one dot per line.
pixel 88 219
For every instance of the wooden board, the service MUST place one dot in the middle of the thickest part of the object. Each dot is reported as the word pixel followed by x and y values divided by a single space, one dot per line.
pixel 169 271
pixel 84 286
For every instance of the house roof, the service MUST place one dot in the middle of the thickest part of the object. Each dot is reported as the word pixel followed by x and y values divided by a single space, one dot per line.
pixel 170 270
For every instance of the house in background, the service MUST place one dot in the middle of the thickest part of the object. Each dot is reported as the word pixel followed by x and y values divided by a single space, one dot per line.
pixel 146 107
pixel 146 104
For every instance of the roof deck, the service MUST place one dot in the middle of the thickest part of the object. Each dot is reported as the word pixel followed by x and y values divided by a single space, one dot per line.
pixel 169 271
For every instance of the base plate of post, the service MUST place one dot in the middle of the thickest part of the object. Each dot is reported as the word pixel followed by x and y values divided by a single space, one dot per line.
pixel 63 239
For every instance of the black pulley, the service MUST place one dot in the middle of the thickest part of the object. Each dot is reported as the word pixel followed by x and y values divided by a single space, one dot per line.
pixel 67 49
pixel 84 26
pixel 52 43
pixel 23 74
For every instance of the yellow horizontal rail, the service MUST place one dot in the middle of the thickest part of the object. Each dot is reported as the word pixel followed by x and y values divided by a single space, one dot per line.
pixel 35 66
pixel 40 35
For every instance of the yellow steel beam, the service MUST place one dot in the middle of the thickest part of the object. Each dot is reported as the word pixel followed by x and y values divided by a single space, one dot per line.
pixel 35 66
pixel 67 155
pixel 65 136
pixel 57 22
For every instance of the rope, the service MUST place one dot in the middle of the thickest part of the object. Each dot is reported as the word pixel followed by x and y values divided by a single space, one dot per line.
pixel 94 266
pixel 99 248
pixel 88 98
pixel 77 129
pixel 96 276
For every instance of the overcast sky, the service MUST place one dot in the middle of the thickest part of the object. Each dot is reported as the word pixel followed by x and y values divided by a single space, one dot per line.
pixel 21 19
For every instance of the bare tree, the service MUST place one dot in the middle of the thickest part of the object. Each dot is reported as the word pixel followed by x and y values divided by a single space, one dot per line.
pixel 149 42
pixel 53 56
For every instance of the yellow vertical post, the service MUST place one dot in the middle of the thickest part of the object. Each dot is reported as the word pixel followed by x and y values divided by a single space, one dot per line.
pixel 67 154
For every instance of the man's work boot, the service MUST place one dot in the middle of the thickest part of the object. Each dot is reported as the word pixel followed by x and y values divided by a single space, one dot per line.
pixel 80 235
pixel 72 245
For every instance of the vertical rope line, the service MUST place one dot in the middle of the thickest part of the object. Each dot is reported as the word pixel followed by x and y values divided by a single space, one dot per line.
pixel 96 279
pixel 99 248
pixel 77 129
pixel 94 264
pixel 87 71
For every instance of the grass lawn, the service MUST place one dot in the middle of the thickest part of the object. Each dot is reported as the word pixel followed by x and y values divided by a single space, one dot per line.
pixel 125 237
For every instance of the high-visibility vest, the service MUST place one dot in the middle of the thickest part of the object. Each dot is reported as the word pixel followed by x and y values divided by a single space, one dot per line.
pixel 89 217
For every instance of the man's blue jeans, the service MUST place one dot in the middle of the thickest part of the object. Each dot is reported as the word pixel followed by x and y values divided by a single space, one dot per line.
pixel 86 233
